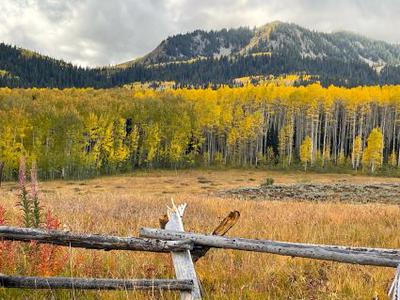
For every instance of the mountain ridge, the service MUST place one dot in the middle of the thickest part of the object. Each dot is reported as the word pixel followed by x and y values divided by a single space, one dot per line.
pixel 271 37
pixel 201 58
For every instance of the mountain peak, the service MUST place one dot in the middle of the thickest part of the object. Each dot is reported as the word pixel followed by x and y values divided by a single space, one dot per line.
pixel 272 24
pixel 273 38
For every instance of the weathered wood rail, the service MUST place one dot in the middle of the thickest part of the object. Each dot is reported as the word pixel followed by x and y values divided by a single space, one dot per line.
pixel 352 255
pixel 185 248
pixel 98 242
pixel 94 283
pixel 91 241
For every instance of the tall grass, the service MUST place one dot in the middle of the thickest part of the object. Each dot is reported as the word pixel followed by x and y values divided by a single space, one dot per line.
pixel 121 205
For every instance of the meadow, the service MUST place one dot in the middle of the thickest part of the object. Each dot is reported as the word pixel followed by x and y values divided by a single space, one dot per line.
pixel 120 205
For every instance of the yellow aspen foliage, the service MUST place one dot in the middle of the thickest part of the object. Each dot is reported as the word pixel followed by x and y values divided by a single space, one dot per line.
pixel 175 150
pixel 285 138
pixel 152 142
pixel 372 157
pixel 233 138
pixel 93 145
pixel 85 132
pixel 121 150
pixel 107 146
pixel 282 145
pixel 306 152
pixel 10 148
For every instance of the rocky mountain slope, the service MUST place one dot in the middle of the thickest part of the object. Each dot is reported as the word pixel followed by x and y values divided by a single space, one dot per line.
pixel 275 38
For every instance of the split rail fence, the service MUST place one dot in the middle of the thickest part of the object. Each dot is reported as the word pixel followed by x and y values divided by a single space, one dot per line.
pixel 185 248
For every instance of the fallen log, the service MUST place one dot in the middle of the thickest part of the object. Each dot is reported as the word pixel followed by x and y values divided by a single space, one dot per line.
pixel 93 284
pixel 352 255
pixel 91 241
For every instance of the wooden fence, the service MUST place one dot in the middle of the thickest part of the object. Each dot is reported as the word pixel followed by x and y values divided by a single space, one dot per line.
pixel 185 248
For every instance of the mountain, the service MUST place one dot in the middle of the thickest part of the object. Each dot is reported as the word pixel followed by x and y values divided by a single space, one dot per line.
pixel 201 58
pixel 199 45
pixel 278 38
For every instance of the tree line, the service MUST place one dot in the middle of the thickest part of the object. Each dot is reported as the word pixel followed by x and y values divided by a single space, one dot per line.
pixel 23 69
pixel 78 133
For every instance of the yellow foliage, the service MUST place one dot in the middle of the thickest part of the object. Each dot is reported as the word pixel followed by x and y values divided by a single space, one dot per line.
pixel 373 154
pixel 88 131
pixel 306 151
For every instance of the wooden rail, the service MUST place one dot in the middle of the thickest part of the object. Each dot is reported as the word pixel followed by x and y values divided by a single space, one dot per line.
pixel 99 242
pixel 185 249
pixel 94 284
pixel 361 256
pixel 91 241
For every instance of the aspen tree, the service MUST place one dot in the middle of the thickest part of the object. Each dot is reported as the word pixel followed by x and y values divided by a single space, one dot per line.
pixel 121 150
pixel 286 144
pixel 306 152
pixel 357 152
pixel 152 142
pixel 372 156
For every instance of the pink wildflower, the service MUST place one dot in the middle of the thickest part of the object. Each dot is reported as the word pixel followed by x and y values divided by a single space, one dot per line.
pixel 22 173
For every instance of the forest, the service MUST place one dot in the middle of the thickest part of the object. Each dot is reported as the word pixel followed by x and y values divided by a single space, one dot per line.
pixel 20 68
pixel 80 133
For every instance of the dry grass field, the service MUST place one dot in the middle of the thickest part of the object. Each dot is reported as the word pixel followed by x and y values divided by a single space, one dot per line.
pixel 121 205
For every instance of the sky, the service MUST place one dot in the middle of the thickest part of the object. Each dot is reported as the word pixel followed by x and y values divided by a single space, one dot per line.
pixel 106 32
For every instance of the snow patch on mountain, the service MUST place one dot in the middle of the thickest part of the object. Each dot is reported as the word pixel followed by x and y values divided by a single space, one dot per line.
pixel 199 44
pixel 223 51
pixel 377 66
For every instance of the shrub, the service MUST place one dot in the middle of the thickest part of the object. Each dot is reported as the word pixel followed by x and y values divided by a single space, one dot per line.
pixel 44 260
pixel 29 202
pixel 267 182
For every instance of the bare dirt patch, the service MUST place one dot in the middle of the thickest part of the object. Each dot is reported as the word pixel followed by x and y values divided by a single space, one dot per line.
pixel 364 193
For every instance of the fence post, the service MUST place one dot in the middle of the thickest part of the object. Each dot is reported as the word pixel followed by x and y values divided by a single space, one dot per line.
pixel 394 291
pixel 182 260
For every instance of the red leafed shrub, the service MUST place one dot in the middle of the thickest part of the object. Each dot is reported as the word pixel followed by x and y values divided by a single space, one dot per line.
pixel 31 258
pixel 51 259
pixel 51 222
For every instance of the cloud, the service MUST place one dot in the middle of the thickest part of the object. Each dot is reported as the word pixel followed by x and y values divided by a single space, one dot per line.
pixel 103 32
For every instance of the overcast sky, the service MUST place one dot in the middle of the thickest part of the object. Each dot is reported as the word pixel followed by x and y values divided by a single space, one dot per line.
pixel 103 32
